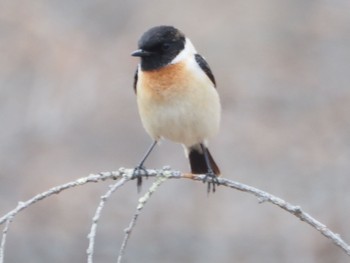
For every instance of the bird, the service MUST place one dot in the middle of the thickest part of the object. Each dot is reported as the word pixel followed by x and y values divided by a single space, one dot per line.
pixel 177 98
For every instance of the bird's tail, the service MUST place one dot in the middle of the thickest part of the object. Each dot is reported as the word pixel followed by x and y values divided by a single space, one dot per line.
pixel 198 161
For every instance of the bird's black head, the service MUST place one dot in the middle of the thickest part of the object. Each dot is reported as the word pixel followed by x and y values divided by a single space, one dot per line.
pixel 159 46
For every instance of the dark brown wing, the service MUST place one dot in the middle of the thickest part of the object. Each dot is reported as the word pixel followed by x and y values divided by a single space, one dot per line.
pixel 135 79
pixel 205 67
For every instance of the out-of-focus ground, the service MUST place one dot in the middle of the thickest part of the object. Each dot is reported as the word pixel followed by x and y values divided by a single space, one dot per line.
pixel 67 109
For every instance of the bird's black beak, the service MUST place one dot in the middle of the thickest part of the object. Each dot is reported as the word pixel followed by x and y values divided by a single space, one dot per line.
pixel 141 53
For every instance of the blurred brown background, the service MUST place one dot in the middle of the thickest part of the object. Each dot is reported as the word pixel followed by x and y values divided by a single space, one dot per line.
pixel 67 109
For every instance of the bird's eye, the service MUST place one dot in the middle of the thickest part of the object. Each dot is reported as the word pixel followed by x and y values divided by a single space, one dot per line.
pixel 165 46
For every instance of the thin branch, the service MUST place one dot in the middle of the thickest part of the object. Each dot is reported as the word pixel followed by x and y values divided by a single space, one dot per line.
pixel 127 173
pixel 92 234
pixel 93 178
pixel 264 197
pixel 293 209
pixel 3 239
pixel 142 201
pixel 9 217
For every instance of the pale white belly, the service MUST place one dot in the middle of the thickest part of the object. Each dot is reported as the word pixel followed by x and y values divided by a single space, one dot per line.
pixel 189 114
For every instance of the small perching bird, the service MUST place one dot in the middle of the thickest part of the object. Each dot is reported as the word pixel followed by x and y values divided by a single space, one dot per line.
pixel 177 97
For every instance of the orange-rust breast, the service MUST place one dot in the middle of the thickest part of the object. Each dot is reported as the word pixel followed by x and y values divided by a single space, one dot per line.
pixel 164 83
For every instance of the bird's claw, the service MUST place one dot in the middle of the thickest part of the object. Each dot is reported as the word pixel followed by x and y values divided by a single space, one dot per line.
pixel 137 174
pixel 212 180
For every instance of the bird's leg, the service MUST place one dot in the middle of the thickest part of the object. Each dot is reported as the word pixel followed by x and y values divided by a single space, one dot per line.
pixel 210 177
pixel 141 170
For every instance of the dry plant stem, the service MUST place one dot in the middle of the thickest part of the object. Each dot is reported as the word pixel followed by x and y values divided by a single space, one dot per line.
pixel 3 240
pixel 92 234
pixel 8 218
pixel 93 178
pixel 166 173
pixel 293 209
pixel 142 201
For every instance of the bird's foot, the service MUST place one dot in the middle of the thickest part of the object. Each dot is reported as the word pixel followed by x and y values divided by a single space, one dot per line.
pixel 137 174
pixel 212 180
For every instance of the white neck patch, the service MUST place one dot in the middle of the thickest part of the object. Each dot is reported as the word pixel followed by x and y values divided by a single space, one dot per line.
pixel 188 51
